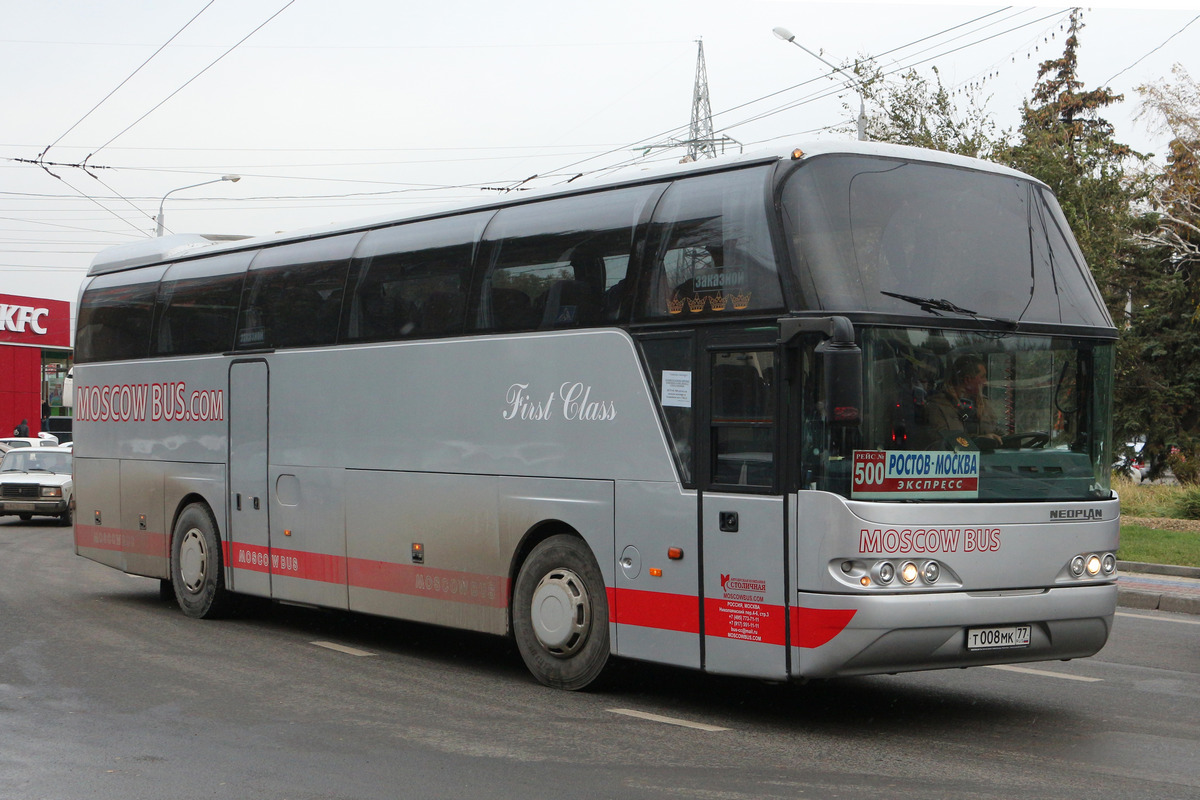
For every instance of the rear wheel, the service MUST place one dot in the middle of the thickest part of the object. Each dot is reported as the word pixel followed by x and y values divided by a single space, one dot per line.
pixel 560 614
pixel 196 568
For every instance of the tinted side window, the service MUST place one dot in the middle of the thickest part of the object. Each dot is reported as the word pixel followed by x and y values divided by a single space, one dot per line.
pixel 671 366
pixel 713 255
pixel 293 294
pixel 115 316
pixel 561 263
pixel 411 280
pixel 197 305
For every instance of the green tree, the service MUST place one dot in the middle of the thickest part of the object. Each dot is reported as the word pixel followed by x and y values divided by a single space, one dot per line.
pixel 1064 142
pixel 1161 343
pixel 919 111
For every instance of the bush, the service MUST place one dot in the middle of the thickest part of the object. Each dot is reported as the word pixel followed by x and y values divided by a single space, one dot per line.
pixel 1186 470
pixel 1147 499
pixel 1187 504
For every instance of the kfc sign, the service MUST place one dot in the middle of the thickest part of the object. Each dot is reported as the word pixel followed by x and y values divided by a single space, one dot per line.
pixel 34 321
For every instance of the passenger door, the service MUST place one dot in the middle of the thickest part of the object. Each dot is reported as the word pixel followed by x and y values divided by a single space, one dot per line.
pixel 741 507
pixel 249 551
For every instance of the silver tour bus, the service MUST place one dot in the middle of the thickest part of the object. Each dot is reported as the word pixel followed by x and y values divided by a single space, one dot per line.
pixel 838 411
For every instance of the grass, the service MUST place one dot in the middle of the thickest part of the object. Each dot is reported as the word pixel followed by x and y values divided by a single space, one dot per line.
pixel 1158 545
pixel 1155 546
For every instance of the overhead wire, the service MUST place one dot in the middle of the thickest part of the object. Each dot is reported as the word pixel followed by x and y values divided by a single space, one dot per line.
pixel 812 98
pixel 1153 51
pixel 161 47
pixel 186 83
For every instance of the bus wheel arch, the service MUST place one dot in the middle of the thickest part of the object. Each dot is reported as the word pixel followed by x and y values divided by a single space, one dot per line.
pixel 559 610
pixel 197 563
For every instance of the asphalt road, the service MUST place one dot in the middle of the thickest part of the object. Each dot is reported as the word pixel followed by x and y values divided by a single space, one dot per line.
pixel 106 691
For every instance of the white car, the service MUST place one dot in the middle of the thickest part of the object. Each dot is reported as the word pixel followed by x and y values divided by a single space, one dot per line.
pixel 41 440
pixel 37 480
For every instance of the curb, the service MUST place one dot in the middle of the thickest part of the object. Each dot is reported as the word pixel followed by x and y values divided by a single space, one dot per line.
pixel 1158 601
pixel 1159 569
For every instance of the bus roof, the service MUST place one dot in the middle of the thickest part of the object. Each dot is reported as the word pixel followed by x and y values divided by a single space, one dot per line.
pixel 163 249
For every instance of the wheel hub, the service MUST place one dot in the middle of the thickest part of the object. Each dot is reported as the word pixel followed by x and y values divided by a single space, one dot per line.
pixel 561 612
pixel 193 560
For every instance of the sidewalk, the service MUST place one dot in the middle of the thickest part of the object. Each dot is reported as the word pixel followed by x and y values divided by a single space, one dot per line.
pixel 1159 587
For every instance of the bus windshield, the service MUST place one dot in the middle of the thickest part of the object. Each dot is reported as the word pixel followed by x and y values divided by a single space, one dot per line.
pixel 964 416
pixel 902 237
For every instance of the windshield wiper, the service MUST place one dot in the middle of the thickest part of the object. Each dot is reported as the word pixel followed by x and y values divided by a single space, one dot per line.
pixel 934 306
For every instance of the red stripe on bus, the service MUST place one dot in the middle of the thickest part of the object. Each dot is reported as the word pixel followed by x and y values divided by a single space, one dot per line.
pixel 383 576
pixel 813 627
pixel 286 563
pixel 671 612
pixel 143 543
pixel 439 584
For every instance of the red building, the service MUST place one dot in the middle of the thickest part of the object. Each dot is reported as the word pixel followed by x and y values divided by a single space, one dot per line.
pixel 35 356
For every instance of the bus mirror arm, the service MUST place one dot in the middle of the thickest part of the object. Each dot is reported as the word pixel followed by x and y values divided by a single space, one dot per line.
pixel 839 330
pixel 842 359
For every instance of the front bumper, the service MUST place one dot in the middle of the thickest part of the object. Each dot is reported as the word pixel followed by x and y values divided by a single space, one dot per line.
pixel 48 507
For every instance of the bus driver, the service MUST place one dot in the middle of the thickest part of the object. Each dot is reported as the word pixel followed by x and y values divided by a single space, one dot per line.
pixel 961 406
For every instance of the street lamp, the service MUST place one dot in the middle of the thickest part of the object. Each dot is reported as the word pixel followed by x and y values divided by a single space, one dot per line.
pixel 788 36
pixel 159 230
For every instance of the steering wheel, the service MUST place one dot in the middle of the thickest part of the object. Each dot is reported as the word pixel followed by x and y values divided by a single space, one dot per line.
pixel 1031 439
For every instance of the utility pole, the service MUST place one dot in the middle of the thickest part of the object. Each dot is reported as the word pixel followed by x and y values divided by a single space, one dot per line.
pixel 700 134
pixel 700 141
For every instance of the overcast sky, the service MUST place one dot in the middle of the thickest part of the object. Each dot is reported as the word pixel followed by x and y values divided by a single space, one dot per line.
pixel 332 111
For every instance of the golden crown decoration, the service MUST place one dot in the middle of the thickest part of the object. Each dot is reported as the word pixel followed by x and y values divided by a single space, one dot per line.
pixel 740 301
pixel 675 305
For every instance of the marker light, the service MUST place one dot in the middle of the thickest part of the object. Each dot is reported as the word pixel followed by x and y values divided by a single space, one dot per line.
pixel 865 580
pixel 1077 566
pixel 655 572
pixel 797 154
pixel 908 572
pixel 886 572
pixel 931 572
pixel 1093 565
pixel 674 553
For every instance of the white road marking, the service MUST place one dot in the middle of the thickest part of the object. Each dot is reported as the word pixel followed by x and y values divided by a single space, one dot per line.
pixel 1158 619
pixel 1044 673
pixel 700 726
pixel 341 648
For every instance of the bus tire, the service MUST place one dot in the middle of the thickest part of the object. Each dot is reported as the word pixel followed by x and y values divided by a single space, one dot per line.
pixel 197 572
pixel 560 614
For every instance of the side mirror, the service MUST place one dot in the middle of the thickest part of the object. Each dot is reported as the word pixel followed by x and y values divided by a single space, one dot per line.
pixel 843 381
pixel 842 358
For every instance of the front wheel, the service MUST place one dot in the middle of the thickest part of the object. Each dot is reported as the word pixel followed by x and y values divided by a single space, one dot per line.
pixel 560 614
pixel 196 568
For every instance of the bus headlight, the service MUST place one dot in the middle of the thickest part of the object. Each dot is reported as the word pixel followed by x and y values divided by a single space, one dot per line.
pixel 1109 566
pixel 1077 566
pixel 1093 565
pixel 908 572
pixel 886 572
pixel 931 572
